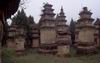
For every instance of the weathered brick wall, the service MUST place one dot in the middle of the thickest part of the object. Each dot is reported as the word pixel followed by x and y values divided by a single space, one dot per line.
pixel 47 36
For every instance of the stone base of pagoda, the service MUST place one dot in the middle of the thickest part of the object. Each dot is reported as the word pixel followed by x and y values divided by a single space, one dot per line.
pixel 98 43
pixel 48 49
pixel 63 47
pixel 18 46
pixel 20 52
pixel 63 50
pixel 86 49
pixel 11 44
pixel 35 43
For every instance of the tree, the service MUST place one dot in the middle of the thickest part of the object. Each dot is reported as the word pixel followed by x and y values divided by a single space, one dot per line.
pixel 30 21
pixel 72 30
pixel 21 20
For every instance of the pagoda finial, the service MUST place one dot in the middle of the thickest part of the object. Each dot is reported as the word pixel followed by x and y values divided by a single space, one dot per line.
pixel 57 16
pixel 62 9
pixel 85 9
pixel 71 19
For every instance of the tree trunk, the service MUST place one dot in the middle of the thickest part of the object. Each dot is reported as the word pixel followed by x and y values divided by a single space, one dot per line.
pixel 1 33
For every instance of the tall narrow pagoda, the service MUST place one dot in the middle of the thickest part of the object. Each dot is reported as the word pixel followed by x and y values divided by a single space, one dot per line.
pixel 85 30
pixel 63 34
pixel 32 34
pixel 97 33
pixel 16 38
pixel 47 30
pixel 35 35
pixel 20 40
pixel 10 42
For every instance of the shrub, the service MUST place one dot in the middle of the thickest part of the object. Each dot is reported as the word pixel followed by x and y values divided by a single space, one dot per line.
pixel 8 55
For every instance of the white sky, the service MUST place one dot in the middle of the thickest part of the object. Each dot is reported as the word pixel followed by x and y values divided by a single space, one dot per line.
pixel 71 8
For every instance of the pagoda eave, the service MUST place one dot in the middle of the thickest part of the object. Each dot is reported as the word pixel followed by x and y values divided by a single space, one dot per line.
pixel 84 19
pixel 85 43
pixel 48 9
pixel 79 27
pixel 47 14
pixel 48 45
pixel 86 50
pixel 85 12
pixel 47 19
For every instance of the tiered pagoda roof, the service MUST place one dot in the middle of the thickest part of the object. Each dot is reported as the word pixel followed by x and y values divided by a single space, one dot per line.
pixel 47 14
pixel 61 17
pixel 85 11
pixel 97 25
pixel 61 22
pixel 62 28
pixel 85 19
pixel 97 22
pixel 85 14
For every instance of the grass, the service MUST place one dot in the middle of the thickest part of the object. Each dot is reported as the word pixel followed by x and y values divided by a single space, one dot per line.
pixel 38 58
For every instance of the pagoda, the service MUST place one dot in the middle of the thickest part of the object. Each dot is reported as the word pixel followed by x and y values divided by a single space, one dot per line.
pixel 10 42
pixel 97 33
pixel 20 40
pixel 34 34
pixel 84 33
pixel 47 30
pixel 63 34
pixel 16 38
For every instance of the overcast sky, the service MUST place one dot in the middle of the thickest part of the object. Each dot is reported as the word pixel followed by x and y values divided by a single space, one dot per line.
pixel 71 8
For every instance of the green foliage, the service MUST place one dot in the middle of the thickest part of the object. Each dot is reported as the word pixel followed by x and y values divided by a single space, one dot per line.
pixel 38 58
pixel 30 51
pixel 20 19
pixel 72 52
pixel 8 55
pixel 24 22
pixel 30 20
pixel 72 30
pixel 72 26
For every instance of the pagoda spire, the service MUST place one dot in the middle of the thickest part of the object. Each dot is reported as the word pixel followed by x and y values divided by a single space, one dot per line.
pixel 62 11
pixel 71 19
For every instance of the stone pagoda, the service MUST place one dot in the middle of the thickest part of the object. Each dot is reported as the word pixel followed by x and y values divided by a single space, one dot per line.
pixel 85 30
pixel 63 34
pixel 47 30
pixel 35 36
pixel 32 36
pixel 10 42
pixel 97 34
pixel 16 38
pixel 20 39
